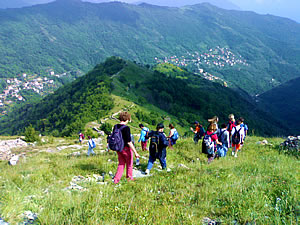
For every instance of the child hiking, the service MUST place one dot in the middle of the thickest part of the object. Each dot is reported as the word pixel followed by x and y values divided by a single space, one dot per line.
pixel 121 137
pixel 223 137
pixel 92 145
pixel 173 136
pixel 143 138
pixel 81 137
pixel 210 142
pixel 157 149
pixel 237 137
pixel 199 132
pixel 231 124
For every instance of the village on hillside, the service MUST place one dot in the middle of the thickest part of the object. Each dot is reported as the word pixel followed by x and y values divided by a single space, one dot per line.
pixel 16 87
pixel 214 58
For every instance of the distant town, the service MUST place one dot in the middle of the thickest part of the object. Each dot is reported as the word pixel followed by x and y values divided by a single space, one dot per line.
pixel 17 87
pixel 215 57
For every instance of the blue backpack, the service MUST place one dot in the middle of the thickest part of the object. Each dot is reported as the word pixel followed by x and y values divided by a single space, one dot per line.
pixel 115 140
pixel 209 144
pixel 93 144
pixel 175 136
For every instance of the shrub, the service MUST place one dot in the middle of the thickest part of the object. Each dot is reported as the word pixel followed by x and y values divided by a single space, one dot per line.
pixel 31 135
pixel 106 127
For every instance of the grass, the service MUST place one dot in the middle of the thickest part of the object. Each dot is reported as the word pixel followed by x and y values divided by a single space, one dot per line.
pixel 258 187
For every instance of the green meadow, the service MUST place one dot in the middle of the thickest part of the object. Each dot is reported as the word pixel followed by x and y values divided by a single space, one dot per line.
pixel 261 186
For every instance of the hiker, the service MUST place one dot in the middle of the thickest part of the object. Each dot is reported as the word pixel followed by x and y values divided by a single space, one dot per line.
pixel 231 124
pixel 223 137
pixel 92 145
pixel 210 141
pixel 199 132
pixel 244 126
pixel 173 136
pixel 143 138
pixel 81 137
pixel 237 137
pixel 125 156
pixel 157 149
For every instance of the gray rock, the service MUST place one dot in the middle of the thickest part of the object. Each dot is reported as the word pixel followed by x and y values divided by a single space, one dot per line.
pixel 183 166
pixel 2 222
pixel 14 160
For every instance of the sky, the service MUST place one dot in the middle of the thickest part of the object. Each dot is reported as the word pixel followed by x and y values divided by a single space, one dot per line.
pixel 284 8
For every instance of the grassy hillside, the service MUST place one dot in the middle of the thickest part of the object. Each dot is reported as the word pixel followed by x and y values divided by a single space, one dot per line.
pixel 45 36
pixel 284 102
pixel 258 187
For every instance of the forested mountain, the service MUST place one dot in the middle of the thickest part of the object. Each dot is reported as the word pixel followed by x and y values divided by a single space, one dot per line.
pixel 185 96
pixel 284 103
pixel 68 35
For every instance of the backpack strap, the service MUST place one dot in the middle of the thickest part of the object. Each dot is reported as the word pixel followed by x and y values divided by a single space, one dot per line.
pixel 222 133
pixel 121 128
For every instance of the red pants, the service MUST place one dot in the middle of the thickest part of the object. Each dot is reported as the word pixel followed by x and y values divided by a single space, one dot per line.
pixel 144 145
pixel 125 158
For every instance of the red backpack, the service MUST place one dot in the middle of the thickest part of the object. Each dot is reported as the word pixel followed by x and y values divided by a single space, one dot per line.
pixel 230 126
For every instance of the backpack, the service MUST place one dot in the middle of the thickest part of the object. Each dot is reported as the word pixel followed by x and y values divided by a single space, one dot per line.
pixel 175 136
pixel 236 138
pixel 154 141
pixel 230 126
pixel 220 136
pixel 115 140
pixel 209 144
pixel 201 133
pixel 93 144
pixel 145 129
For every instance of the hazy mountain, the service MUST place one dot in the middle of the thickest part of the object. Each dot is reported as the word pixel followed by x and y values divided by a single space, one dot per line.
pixel 225 4
pixel 284 103
pixel 68 35
pixel 173 3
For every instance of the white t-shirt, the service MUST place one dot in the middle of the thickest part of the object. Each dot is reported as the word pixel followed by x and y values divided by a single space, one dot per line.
pixel 241 131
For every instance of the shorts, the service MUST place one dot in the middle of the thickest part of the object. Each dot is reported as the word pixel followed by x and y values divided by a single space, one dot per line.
pixel 236 146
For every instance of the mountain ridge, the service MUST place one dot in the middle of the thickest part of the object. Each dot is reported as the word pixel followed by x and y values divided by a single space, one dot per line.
pixel 187 98
pixel 284 103
pixel 141 33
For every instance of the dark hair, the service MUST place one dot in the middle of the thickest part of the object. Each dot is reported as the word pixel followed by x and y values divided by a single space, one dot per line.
pixel 224 125
pixel 141 125
pixel 196 122
pixel 124 116
pixel 89 137
pixel 171 126
pixel 238 122
pixel 159 126
pixel 241 119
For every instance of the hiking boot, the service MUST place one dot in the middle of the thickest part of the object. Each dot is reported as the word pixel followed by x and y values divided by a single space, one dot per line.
pixel 232 153
pixel 147 171
pixel 235 155
pixel 168 170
